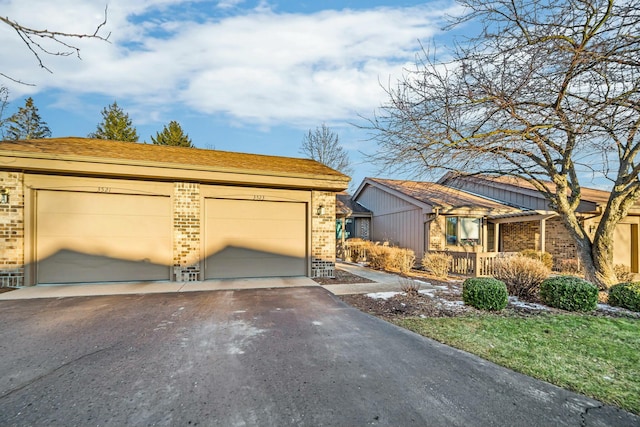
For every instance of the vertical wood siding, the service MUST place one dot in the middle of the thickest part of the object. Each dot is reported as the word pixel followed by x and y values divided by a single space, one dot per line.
pixel 394 220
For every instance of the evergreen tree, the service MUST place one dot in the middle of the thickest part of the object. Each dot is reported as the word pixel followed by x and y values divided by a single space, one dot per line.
pixel 116 125
pixel 27 124
pixel 172 135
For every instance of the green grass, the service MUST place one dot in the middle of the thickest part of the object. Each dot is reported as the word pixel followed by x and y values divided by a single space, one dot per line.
pixel 595 356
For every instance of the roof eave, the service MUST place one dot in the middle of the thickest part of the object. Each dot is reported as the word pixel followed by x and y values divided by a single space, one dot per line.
pixel 101 166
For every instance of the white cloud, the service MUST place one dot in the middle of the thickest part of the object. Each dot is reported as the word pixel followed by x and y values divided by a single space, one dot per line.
pixel 256 66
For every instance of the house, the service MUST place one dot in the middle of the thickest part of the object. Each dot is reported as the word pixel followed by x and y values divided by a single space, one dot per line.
pixel 484 215
pixel 352 219
pixel 86 210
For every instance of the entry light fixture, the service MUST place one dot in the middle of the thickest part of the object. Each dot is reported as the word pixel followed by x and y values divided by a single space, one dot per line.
pixel 4 196
pixel 320 210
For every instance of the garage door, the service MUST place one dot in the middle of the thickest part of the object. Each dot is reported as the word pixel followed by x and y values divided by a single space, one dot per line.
pixel 247 238
pixel 102 237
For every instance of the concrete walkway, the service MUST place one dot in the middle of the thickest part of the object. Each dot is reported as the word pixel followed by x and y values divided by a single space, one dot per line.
pixel 101 289
pixel 383 282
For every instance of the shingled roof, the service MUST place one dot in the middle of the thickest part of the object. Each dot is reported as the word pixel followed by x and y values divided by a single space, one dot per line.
pixel 74 148
pixel 442 196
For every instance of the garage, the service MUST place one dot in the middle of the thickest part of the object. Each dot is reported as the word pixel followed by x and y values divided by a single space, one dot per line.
pixel 82 210
pixel 254 238
pixel 101 237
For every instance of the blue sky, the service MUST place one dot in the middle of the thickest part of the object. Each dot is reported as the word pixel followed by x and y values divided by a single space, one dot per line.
pixel 248 76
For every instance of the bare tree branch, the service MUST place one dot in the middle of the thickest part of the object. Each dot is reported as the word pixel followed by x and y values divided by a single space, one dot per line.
pixel 34 40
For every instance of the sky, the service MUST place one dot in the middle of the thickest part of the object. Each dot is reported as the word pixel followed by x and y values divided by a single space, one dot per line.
pixel 246 76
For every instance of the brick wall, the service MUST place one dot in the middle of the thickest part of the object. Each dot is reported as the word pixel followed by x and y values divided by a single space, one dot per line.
pixel 559 242
pixel 323 234
pixel 519 236
pixel 186 231
pixel 12 231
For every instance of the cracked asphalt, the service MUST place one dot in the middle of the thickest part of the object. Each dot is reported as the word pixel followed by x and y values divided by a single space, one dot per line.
pixel 268 357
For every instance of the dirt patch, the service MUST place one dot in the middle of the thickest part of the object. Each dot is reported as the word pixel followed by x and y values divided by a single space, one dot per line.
pixel 3 290
pixel 446 301
pixel 342 278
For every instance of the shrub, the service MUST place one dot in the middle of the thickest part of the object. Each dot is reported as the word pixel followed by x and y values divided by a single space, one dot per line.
pixel 625 295
pixel 437 263
pixel 569 293
pixel 485 293
pixel 623 273
pixel 545 257
pixel 570 267
pixel 409 287
pixel 379 257
pixel 522 275
pixel 403 259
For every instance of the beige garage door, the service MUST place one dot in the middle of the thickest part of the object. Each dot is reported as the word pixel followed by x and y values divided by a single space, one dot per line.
pixel 102 237
pixel 247 238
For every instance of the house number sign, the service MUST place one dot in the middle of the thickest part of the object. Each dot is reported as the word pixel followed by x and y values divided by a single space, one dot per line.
pixel 104 189
pixel 258 197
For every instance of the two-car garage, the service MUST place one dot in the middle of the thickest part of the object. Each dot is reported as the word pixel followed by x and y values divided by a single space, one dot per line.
pixel 139 212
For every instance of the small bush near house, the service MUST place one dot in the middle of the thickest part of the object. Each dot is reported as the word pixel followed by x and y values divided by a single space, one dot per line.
pixel 403 259
pixel 625 295
pixel 545 257
pixel 485 293
pixel 379 257
pixel 570 267
pixel 409 286
pixel 569 293
pixel 437 263
pixel 623 273
pixel 522 275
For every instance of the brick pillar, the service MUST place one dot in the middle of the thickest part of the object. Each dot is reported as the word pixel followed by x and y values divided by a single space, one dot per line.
pixel 186 232
pixel 12 230
pixel 323 234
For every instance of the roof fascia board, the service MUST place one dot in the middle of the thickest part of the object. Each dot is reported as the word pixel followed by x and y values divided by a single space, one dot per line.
pixel 165 171
pixel 427 208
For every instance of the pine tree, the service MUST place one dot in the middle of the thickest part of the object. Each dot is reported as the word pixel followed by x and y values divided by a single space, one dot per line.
pixel 172 135
pixel 27 124
pixel 116 125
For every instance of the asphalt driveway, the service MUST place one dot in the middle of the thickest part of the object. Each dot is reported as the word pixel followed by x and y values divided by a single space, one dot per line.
pixel 268 357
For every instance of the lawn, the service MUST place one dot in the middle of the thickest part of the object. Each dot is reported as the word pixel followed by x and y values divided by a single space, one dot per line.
pixel 593 355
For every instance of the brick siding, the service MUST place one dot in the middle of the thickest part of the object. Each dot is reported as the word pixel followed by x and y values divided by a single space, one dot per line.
pixel 186 232
pixel 323 234
pixel 519 236
pixel 12 231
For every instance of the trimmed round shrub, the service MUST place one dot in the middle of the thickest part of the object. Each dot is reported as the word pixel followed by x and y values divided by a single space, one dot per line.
pixel 485 293
pixel 625 295
pixel 569 293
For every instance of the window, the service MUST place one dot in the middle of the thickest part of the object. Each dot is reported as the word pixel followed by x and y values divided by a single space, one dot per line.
pixel 463 231
pixel 348 228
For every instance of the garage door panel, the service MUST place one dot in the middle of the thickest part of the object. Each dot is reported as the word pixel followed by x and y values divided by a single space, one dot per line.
pixel 97 237
pixel 246 238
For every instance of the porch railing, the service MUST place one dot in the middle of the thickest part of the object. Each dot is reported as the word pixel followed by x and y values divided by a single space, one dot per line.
pixel 475 264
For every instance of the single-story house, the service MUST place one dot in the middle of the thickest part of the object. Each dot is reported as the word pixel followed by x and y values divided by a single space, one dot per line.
pixel 352 219
pixel 77 210
pixel 483 214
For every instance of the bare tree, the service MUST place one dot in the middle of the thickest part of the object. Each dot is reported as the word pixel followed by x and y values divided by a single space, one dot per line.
pixel 547 92
pixel 323 145
pixel 4 101
pixel 37 41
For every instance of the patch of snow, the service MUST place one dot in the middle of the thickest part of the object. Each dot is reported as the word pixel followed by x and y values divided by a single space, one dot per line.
pixel 422 281
pixel 383 295
pixel 316 323
pixel 428 292
pixel 451 303
pixel 444 288
pixel 607 307
pixel 516 302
